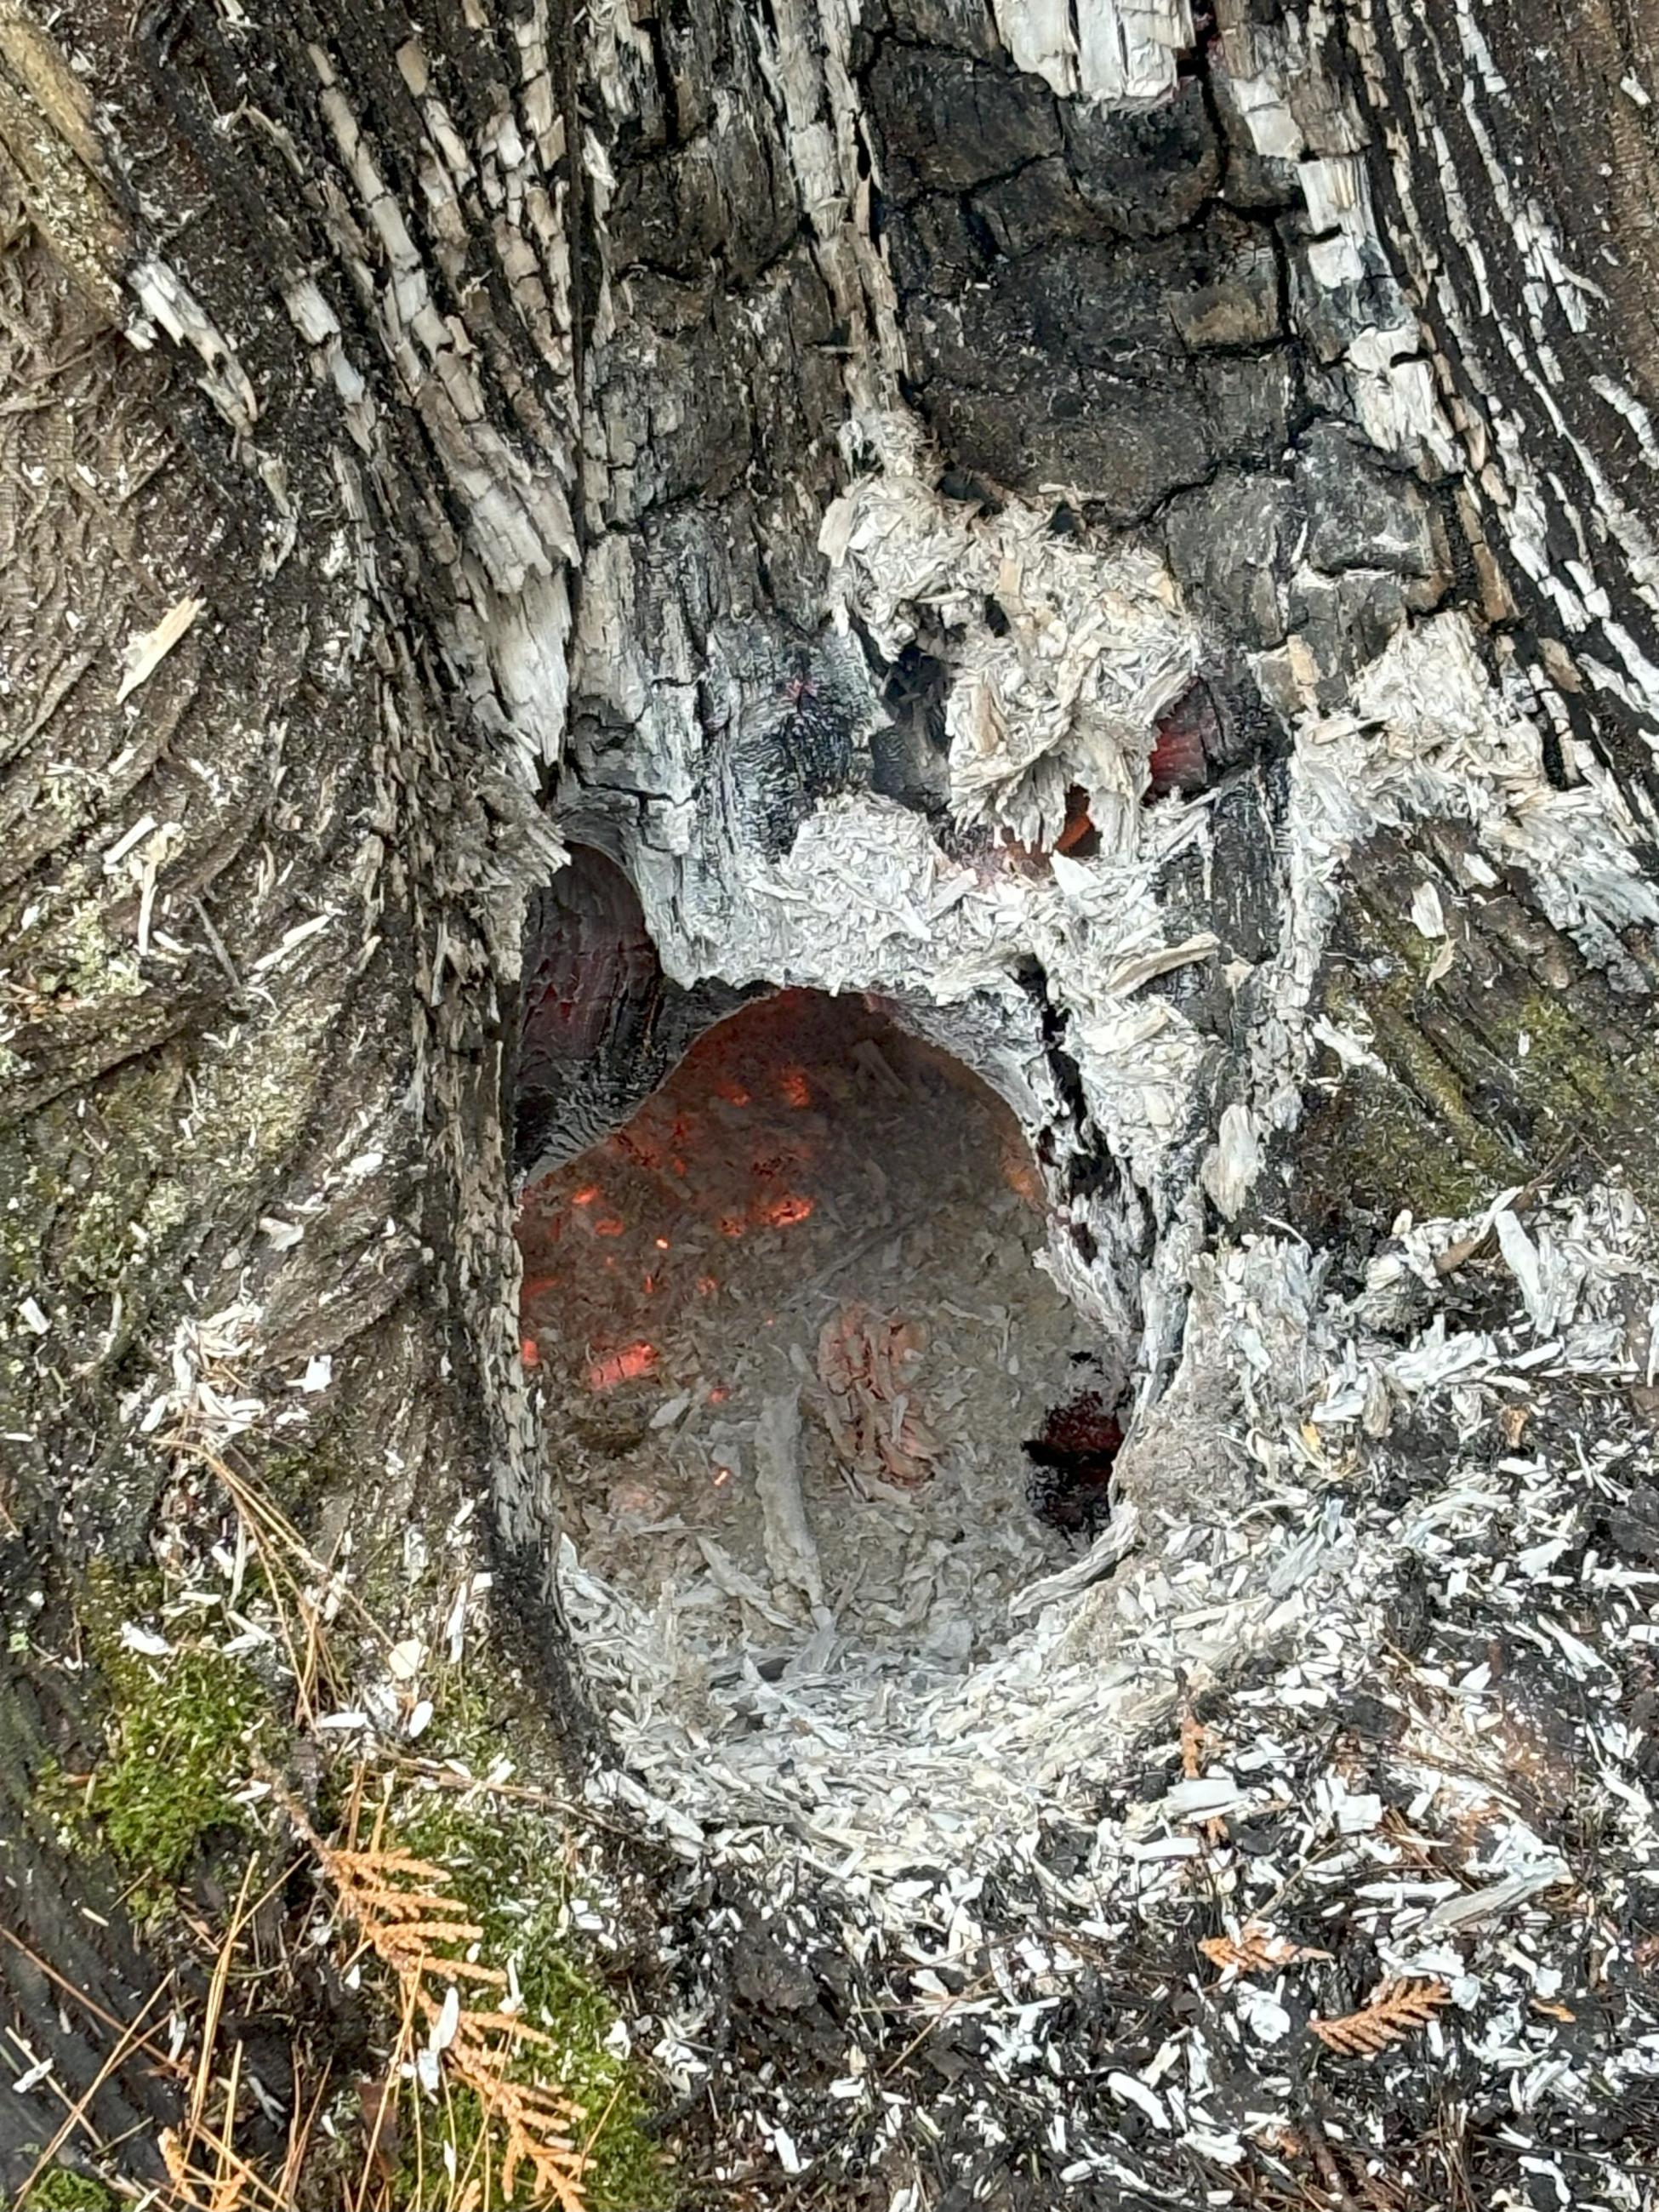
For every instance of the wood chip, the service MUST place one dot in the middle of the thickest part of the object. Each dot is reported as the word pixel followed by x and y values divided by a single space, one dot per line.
pixel 145 655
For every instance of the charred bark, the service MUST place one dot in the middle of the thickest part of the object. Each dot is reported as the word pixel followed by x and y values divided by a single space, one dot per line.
pixel 1205 455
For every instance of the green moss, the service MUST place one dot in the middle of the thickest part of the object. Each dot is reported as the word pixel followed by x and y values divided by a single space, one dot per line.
pixel 300 1478
pixel 75 951
pixel 1571 1069
pixel 63 2190
pixel 179 1728
pixel 1590 1086
pixel 430 2135
pixel 178 1746
pixel 1493 1075
pixel 1406 1140
pixel 1392 1155
pixel 127 1206
pixel 509 1873
pixel 630 2172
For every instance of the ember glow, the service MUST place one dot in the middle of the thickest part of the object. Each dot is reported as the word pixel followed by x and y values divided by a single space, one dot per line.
pixel 1079 828
pixel 785 1213
pixel 624 1366
pixel 1019 1174
pixel 642 1255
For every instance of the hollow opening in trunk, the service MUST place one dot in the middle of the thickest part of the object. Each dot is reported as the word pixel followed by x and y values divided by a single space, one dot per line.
pixel 794 1339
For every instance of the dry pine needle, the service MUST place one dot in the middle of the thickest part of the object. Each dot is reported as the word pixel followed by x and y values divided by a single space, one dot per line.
pixel 1395 2009
pixel 1256 1950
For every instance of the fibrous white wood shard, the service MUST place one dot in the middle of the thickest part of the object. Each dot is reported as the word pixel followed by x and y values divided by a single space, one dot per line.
pixel 1093 648
pixel 1124 52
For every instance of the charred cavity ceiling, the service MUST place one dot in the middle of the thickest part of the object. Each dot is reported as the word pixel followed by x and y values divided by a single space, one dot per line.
pixel 604 1026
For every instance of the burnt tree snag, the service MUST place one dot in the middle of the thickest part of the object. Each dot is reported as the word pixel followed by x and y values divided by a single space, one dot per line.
pixel 1125 535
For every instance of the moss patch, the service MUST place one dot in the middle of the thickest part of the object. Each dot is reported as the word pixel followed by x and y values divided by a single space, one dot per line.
pixel 1517 1060
pixel 178 1745
pixel 1587 1079
pixel 1382 1143
pixel 180 1727
pixel 509 1872
pixel 63 2190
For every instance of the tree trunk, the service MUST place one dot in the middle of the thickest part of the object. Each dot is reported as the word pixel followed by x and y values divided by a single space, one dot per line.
pixel 1126 534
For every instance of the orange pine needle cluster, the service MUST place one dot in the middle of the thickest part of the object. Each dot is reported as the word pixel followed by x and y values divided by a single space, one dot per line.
pixel 399 1906
pixel 1395 2009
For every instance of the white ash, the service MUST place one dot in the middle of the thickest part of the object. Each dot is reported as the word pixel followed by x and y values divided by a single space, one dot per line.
pixel 1270 1554
pixel 866 899
pixel 1252 1547
pixel 1428 1776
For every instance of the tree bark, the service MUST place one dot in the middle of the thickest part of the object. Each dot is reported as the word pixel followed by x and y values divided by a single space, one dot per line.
pixel 427 442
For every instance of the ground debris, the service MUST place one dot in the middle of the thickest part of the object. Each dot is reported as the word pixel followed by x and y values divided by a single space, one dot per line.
pixel 1395 2008
pixel 1383 1726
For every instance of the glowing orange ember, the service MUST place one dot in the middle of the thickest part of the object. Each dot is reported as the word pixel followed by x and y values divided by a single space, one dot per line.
pixel 627 1236
pixel 624 1366
pixel 1078 824
pixel 784 1212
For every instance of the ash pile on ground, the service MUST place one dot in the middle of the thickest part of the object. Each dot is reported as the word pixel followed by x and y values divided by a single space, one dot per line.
pixel 1371 1920
pixel 793 1338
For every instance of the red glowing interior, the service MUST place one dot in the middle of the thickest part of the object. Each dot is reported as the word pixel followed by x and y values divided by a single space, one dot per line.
pixel 806 1267
pixel 625 1247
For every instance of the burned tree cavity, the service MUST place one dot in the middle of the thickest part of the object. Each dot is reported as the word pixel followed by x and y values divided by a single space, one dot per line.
pixel 1063 600
pixel 789 1335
